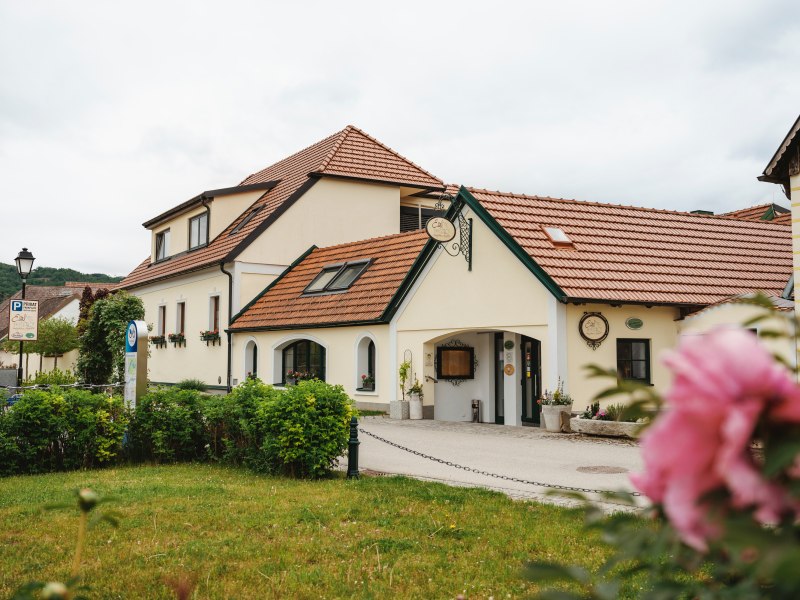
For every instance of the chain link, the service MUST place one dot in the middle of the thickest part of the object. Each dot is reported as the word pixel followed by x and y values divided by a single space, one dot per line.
pixel 44 386
pixel 567 488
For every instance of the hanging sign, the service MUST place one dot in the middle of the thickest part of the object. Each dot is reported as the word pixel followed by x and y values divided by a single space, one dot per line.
pixel 135 362
pixel 440 229
pixel 593 328
pixel 23 320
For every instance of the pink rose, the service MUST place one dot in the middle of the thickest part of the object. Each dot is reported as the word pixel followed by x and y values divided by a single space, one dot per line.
pixel 724 382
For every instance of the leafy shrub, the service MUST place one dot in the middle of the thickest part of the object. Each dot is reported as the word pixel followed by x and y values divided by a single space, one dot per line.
pixel 305 429
pixel 60 429
pixel 234 432
pixel 54 377
pixel 192 384
pixel 167 426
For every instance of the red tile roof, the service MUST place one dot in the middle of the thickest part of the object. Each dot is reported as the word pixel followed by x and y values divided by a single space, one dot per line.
pixel 347 153
pixel 629 254
pixel 774 212
pixel 284 306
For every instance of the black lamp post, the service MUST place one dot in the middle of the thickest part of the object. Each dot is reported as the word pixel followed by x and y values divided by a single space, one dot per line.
pixel 24 262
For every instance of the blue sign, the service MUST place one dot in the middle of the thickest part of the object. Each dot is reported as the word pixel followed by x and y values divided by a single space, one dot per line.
pixel 131 337
pixel 16 305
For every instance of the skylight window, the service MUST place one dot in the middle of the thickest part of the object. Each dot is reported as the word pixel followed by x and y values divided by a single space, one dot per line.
pixel 557 236
pixel 246 220
pixel 335 278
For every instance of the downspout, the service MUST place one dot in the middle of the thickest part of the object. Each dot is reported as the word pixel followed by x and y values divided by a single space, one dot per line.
pixel 230 316
pixel 204 201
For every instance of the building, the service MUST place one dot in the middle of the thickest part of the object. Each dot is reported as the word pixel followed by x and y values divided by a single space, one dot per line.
pixel 320 261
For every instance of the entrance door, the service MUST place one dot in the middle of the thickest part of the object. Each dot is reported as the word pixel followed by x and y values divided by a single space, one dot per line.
pixel 499 380
pixel 531 371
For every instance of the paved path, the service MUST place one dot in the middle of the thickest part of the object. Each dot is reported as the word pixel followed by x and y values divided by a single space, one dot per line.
pixel 523 452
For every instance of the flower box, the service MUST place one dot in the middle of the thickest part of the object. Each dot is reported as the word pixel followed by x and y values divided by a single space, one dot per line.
pixel 177 339
pixel 159 341
pixel 210 337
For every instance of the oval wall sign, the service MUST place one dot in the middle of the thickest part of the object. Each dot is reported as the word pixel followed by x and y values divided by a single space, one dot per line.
pixel 634 323
pixel 440 229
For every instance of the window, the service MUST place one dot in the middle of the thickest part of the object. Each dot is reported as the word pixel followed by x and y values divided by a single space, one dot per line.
pixel 414 217
pixel 335 278
pixel 162 321
pixel 633 359
pixel 246 220
pixel 365 360
pixel 305 360
pixel 251 359
pixel 162 244
pixel 557 236
pixel 198 230
pixel 213 314
pixel 455 363
pixel 180 321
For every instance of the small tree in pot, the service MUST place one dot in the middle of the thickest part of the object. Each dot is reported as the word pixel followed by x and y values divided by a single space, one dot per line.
pixel 415 395
pixel 553 404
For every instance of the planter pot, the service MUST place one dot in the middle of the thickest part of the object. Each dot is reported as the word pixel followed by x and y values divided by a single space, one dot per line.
pixel 551 414
pixel 606 428
pixel 415 407
pixel 398 409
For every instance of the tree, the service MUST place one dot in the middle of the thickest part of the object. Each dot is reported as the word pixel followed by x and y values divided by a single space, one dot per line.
pixel 57 336
pixel 102 344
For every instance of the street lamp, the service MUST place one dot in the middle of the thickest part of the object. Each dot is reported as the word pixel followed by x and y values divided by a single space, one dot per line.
pixel 24 262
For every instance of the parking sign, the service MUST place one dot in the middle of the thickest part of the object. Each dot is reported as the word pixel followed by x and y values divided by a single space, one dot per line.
pixel 23 320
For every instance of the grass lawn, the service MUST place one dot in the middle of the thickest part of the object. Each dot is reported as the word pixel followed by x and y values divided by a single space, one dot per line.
pixel 240 535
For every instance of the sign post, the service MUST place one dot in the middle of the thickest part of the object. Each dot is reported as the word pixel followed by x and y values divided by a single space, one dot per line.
pixel 135 362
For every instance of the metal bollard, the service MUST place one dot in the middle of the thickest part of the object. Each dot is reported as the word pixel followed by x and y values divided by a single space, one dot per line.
pixel 352 450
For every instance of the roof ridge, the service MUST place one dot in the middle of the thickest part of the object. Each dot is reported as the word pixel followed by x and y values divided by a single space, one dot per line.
pixel 352 128
pixel 291 156
pixel 329 157
pixel 755 206
pixel 391 236
pixel 612 205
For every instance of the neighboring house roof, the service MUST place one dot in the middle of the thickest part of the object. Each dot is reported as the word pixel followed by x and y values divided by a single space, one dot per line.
pixel 51 300
pixel 283 304
pixel 348 153
pixel 82 285
pixel 785 160
pixel 643 255
pixel 762 212
pixel 780 304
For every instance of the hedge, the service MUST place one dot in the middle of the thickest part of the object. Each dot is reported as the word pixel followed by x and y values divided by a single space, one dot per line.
pixel 300 431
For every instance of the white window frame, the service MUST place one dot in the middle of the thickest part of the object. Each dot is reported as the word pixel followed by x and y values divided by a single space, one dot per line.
pixel 163 247
pixel 198 219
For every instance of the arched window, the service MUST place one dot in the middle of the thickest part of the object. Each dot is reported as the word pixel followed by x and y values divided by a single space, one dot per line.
pixel 251 359
pixel 303 359
pixel 366 365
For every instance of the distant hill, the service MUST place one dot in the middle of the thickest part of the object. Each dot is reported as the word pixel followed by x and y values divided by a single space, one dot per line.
pixel 10 281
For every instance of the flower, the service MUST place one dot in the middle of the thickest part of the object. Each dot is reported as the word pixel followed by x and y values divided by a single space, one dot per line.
pixel 724 383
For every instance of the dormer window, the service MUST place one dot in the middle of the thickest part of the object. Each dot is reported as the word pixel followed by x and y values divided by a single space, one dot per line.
pixel 558 237
pixel 335 278
pixel 198 231
pixel 162 244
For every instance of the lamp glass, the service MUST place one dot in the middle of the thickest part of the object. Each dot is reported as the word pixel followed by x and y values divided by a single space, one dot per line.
pixel 24 262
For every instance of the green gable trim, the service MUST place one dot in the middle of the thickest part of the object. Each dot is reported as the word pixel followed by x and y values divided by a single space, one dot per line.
pixel 467 198
pixel 297 261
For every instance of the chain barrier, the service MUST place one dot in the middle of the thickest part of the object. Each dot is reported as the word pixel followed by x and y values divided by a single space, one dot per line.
pixel 567 488
pixel 44 386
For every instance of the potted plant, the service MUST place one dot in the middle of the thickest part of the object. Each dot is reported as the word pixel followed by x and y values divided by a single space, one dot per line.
pixel 210 335
pixel 177 339
pixel 615 420
pixel 415 400
pixel 158 340
pixel 367 383
pixel 398 409
pixel 553 404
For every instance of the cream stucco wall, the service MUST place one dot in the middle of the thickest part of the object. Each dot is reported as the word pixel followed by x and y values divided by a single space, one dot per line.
pixel 794 192
pixel 331 212
pixel 499 294
pixel 341 357
pixel 734 314
pixel 659 326
pixel 196 360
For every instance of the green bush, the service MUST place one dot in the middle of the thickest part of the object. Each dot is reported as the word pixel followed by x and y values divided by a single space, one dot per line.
pixel 192 384
pixel 305 429
pixel 60 429
pixel 54 377
pixel 234 432
pixel 168 426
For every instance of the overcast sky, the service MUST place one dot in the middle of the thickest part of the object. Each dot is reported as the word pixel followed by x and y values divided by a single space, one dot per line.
pixel 111 113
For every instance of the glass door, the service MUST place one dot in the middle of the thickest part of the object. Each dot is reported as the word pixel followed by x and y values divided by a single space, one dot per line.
pixel 531 380
pixel 499 380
